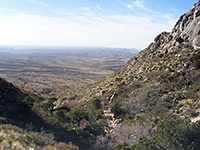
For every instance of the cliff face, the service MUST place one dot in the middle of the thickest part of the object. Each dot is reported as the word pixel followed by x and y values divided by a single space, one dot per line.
pixel 187 27
pixel 186 31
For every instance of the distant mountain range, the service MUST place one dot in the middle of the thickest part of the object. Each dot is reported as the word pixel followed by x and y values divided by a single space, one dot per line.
pixel 70 51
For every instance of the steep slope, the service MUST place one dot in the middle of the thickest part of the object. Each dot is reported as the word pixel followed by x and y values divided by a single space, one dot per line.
pixel 17 120
pixel 15 105
pixel 24 125
pixel 21 128
pixel 163 78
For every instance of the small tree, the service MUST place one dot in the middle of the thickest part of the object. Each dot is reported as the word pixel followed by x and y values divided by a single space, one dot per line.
pixel 116 109
pixel 96 103
pixel 29 101
pixel 49 105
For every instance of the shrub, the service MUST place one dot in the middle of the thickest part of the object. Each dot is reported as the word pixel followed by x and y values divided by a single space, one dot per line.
pixel 77 114
pixel 39 99
pixel 116 109
pixel 29 101
pixel 11 127
pixel 196 60
pixel 179 39
pixel 122 146
pixel 96 128
pixel 118 79
pixel 196 88
pixel 3 120
pixel 172 133
pixel 191 112
pixel 96 103
pixel 60 114
pixel 10 140
pixel 61 146
pixel 49 106
pixel 40 139
pixel 161 55
pixel 1 139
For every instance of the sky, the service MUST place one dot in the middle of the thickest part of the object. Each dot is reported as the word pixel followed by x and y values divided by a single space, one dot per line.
pixel 110 23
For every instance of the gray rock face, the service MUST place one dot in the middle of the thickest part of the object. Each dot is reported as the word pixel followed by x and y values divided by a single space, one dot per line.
pixel 187 30
pixel 188 27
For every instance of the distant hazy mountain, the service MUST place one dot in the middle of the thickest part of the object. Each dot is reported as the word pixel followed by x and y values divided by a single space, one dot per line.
pixel 73 51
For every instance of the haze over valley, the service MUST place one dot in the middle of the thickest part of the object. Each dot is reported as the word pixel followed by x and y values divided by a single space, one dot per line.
pixel 54 71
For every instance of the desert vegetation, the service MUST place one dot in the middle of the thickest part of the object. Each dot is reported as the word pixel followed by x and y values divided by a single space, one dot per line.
pixel 56 72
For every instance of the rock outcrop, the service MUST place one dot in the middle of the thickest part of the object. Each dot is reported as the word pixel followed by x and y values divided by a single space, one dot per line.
pixel 185 31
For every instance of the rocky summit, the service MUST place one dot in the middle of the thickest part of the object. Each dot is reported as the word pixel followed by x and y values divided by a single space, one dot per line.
pixel 185 31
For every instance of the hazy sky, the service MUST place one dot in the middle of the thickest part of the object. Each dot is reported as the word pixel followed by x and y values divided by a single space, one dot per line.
pixel 113 23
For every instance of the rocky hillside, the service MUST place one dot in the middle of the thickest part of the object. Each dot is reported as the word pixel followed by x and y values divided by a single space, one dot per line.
pixel 15 105
pixel 163 78
pixel 171 63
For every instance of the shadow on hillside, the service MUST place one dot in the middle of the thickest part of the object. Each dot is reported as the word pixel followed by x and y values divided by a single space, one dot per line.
pixel 16 112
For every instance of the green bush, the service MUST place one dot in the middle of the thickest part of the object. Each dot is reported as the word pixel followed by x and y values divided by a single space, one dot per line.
pixel 60 114
pixel 96 128
pixel 40 139
pixel 161 55
pixel 196 60
pixel 96 103
pixel 11 127
pixel 49 105
pixel 1 139
pixel 172 133
pixel 24 137
pixel 116 109
pixel 122 146
pixel 3 120
pixel 77 114
pixel 29 101
pixel 95 114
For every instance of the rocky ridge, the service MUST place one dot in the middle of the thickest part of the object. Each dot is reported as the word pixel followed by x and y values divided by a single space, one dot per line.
pixel 162 78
